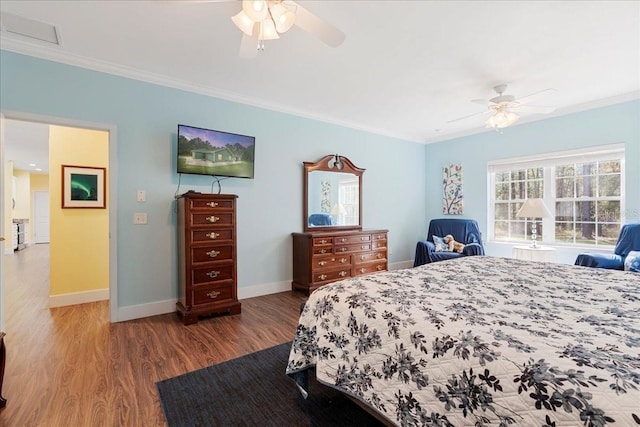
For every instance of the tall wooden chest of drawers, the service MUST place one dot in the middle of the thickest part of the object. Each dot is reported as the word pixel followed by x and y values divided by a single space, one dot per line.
pixel 207 255
pixel 323 257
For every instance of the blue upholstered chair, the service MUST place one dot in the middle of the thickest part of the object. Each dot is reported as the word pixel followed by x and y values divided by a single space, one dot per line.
pixel 320 219
pixel 628 240
pixel 463 230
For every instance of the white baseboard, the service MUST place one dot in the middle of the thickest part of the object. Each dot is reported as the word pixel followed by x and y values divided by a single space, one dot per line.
pixel 401 265
pixel 138 311
pixel 169 306
pixel 78 298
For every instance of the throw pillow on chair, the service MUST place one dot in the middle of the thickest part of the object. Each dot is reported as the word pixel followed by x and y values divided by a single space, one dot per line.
pixel 632 262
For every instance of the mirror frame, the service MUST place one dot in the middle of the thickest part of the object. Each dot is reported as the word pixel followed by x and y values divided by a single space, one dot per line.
pixel 331 163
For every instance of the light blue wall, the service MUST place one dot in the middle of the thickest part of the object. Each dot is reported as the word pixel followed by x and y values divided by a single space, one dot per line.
pixel 619 123
pixel 269 207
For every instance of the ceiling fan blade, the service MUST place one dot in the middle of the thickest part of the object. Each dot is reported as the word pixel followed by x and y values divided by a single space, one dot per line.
pixel 249 45
pixel 466 117
pixel 315 26
pixel 537 109
pixel 481 101
pixel 527 98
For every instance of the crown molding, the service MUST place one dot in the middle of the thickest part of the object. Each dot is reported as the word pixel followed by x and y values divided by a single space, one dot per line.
pixel 56 54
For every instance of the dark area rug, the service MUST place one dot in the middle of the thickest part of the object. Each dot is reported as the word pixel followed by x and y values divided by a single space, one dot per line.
pixel 253 390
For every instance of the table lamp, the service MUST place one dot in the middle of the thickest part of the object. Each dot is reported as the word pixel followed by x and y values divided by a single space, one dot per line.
pixel 534 208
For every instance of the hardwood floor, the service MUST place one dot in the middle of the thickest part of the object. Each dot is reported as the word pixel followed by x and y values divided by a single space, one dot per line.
pixel 68 366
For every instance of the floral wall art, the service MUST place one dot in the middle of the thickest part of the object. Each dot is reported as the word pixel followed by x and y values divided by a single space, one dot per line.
pixel 452 189
pixel 325 194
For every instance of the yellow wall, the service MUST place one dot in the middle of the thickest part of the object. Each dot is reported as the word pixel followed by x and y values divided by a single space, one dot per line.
pixel 39 182
pixel 79 247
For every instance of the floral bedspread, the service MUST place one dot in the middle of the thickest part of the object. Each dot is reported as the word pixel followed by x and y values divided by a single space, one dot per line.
pixel 479 341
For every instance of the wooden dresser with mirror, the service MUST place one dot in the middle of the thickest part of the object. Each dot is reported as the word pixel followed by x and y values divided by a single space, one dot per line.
pixel 333 245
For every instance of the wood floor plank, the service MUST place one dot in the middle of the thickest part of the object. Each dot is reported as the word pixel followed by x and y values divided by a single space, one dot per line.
pixel 68 366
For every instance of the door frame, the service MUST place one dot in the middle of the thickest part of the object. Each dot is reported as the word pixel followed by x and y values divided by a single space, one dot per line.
pixel 112 189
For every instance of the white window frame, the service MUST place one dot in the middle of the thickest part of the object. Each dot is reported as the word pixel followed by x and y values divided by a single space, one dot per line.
pixel 548 161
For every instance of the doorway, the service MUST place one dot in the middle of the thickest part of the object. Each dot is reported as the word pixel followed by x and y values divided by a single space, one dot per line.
pixel 41 200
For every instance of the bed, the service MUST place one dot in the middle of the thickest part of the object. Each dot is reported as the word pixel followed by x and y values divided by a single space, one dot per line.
pixel 479 341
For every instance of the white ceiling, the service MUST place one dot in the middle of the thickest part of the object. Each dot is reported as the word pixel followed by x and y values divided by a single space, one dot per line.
pixel 405 69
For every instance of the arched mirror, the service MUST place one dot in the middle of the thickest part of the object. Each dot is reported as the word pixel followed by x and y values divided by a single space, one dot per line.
pixel 332 194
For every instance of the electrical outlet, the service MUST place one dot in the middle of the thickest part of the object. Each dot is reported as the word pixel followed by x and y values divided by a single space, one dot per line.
pixel 140 218
pixel 141 196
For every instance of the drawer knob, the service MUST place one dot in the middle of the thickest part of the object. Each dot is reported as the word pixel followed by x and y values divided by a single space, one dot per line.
pixel 323 241
pixel 323 251
pixel 213 218
pixel 343 240
pixel 322 276
pixel 322 263
pixel 343 249
pixel 213 254
pixel 379 267
pixel 343 260
pixel 213 235
pixel 362 270
pixel 379 256
pixel 213 294
pixel 212 204
pixel 363 238
pixel 363 247
pixel 362 257
pixel 342 273
pixel 213 274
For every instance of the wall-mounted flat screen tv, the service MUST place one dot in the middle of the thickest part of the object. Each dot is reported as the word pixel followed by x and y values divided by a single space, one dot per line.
pixel 212 152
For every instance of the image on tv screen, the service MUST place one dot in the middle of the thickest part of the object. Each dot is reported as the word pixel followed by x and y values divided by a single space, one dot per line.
pixel 212 152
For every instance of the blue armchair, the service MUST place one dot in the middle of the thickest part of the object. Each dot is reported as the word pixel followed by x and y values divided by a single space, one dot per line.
pixel 463 230
pixel 628 240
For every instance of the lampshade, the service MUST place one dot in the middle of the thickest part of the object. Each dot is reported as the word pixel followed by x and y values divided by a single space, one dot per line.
pixel 255 9
pixel 534 208
pixel 268 30
pixel 282 17
pixel 243 22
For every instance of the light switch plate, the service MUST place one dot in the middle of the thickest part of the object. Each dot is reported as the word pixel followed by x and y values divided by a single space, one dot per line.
pixel 140 218
pixel 141 196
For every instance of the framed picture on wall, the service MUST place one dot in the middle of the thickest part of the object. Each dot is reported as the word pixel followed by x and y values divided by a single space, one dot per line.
pixel 83 187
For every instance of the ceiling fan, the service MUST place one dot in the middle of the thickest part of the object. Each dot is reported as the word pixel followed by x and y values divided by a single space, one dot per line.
pixel 262 20
pixel 502 108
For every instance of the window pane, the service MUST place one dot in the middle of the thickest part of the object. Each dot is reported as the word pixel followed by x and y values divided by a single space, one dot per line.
pixel 533 173
pixel 501 229
pixel 502 211
pixel 502 191
pixel 518 175
pixel 609 185
pixel 502 176
pixel 513 209
pixel 518 229
pixel 608 234
pixel 534 189
pixel 585 186
pixel 586 169
pixel 517 190
pixel 564 187
pixel 609 167
pixel 564 211
pixel 586 211
pixel 608 210
pixel 585 232
pixel 566 170
pixel 564 232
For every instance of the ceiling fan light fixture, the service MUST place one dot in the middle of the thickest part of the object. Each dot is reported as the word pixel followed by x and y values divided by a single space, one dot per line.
pixel 501 119
pixel 282 17
pixel 268 30
pixel 255 9
pixel 243 22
